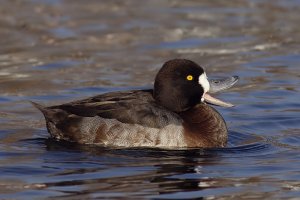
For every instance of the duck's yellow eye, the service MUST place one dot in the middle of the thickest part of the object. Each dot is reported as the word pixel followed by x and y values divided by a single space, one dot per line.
pixel 189 78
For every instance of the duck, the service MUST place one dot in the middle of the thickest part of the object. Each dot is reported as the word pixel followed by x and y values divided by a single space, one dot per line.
pixel 176 113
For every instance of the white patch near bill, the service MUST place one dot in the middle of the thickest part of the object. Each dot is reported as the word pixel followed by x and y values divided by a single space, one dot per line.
pixel 204 83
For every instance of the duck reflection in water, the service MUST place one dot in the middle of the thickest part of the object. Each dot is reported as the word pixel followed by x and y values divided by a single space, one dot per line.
pixel 135 171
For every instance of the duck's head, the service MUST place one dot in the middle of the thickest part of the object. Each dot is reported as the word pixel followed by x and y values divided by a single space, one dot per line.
pixel 182 84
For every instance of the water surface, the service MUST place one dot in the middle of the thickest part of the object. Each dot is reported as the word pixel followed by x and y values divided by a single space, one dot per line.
pixel 57 51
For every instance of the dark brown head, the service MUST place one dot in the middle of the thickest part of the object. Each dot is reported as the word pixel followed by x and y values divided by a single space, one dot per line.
pixel 180 84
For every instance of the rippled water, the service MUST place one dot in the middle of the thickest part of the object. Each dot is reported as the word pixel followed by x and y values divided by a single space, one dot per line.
pixel 56 51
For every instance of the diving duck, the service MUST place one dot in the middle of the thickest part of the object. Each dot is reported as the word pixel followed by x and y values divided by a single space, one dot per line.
pixel 174 114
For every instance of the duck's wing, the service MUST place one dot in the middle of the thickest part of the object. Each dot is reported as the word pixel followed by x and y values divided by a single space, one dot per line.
pixel 132 107
pixel 119 118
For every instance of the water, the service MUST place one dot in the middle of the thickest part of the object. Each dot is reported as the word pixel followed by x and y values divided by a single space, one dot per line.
pixel 57 51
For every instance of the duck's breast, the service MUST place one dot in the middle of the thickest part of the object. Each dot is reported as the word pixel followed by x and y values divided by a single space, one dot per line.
pixel 204 127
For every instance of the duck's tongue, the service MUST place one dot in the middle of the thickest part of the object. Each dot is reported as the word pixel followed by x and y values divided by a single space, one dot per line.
pixel 217 86
pixel 215 101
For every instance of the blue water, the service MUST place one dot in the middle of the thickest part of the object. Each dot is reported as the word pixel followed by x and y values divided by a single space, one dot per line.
pixel 57 51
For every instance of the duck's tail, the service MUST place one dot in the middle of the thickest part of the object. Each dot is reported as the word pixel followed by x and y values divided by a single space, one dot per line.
pixel 38 106
pixel 53 117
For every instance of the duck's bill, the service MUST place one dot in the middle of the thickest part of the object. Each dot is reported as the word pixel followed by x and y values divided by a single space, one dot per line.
pixel 214 101
pixel 217 85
